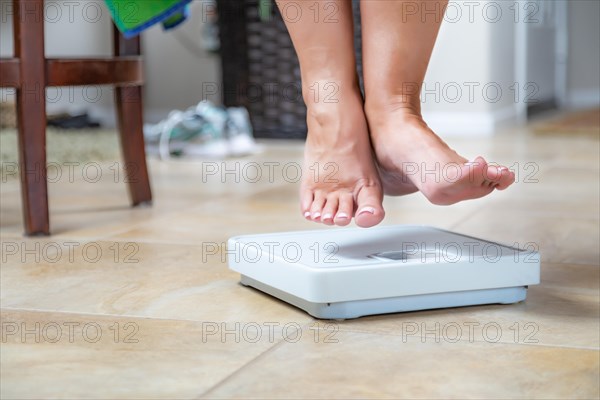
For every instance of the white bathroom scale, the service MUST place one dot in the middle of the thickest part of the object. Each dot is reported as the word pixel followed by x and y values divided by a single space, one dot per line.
pixel 352 272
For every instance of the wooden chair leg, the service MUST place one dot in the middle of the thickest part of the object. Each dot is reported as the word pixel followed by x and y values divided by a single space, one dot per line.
pixel 130 122
pixel 31 114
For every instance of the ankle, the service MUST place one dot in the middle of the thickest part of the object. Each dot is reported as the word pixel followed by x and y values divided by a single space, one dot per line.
pixel 392 96
pixel 380 113
pixel 329 102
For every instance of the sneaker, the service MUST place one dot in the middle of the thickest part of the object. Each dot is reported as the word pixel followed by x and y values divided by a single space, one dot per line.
pixel 205 131
pixel 199 131
pixel 239 132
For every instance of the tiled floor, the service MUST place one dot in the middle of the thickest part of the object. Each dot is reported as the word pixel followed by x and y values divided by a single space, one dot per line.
pixel 133 303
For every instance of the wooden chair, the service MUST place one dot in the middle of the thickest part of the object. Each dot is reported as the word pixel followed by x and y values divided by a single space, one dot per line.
pixel 30 72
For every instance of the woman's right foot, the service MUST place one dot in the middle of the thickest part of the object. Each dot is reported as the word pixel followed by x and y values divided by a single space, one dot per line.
pixel 340 180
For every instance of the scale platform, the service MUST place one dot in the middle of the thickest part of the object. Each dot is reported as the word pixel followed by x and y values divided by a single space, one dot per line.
pixel 352 272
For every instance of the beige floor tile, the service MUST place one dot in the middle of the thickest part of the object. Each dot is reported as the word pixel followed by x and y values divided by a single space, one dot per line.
pixel 78 221
pixel 276 210
pixel 520 145
pixel 88 211
pixel 579 279
pixel 9 185
pixel 138 279
pixel 176 287
pixel 544 204
pixel 416 209
pixel 235 176
pixel 558 237
pixel 76 356
pixel 94 204
pixel 363 365
pixel 555 313
pixel 574 190
pixel 219 220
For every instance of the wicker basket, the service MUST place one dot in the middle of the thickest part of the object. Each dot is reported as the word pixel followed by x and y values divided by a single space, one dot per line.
pixel 260 68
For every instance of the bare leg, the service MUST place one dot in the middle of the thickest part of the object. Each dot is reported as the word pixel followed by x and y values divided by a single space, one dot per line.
pixel 340 178
pixel 398 39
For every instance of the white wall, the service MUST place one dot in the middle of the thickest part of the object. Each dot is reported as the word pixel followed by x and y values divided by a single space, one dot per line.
pixel 177 67
pixel 583 80
pixel 460 61
pixel 474 56
pixel 482 46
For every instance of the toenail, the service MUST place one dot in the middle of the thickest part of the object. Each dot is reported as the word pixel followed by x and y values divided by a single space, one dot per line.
pixel 342 215
pixel 369 210
pixel 307 214
pixel 327 216
pixel 316 215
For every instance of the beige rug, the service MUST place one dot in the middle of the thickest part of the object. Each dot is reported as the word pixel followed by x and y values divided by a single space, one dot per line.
pixel 64 146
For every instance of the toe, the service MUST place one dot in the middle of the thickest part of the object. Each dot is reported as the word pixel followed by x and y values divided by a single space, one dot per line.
pixel 345 209
pixel 507 178
pixel 316 209
pixel 477 170
pixel 330 209
pixel 492 174
pixel 498 177
pixel 369 209
pixel 486 178
pixel 306 200
pixel 482 180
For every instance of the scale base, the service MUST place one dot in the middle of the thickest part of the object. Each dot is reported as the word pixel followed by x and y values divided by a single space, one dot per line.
pixel 361 308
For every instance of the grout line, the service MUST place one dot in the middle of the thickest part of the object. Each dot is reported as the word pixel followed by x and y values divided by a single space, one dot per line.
pixel 572 264
pixel 474 341
pixel 92 314
pixel 239 371
pixel 103 315
pixel 110 238
pixel 307 324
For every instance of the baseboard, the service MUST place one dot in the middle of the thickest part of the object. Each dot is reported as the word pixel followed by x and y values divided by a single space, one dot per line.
pixel 443 122
pixel 583 98
pixel 106 115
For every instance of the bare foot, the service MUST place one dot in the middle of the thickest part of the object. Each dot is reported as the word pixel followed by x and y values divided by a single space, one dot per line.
pixel 340 179
pixel 411 157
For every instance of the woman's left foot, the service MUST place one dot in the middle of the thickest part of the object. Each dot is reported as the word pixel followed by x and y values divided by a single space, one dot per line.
pixel 411 157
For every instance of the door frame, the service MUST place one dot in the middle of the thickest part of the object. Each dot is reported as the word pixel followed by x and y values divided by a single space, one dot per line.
pixel 558 12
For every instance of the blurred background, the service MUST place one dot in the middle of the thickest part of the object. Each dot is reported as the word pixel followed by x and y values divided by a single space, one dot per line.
pixel 495 63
